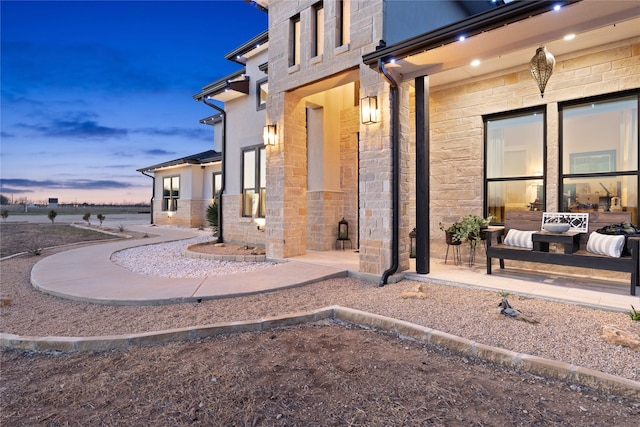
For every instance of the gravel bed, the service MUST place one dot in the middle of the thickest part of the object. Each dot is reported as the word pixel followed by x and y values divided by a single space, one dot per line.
pixel 565 332
pixel 166 260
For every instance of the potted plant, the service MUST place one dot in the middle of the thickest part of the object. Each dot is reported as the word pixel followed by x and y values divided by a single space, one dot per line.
pixel 472 224
pixel 454 234
pixel 465 230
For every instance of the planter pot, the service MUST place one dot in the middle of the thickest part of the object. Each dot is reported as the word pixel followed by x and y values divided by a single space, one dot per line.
pixel 451 240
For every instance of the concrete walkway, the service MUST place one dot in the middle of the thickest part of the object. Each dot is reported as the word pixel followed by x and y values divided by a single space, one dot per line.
pixel 87 274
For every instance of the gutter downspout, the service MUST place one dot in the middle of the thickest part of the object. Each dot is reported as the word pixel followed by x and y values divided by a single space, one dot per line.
pixel 224 163
pixel 395 171
pixel 153 192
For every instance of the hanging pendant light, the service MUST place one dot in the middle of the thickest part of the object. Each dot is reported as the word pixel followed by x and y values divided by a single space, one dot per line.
pixel 541 67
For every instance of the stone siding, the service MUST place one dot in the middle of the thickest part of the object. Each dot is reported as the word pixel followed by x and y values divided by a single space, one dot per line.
pixel 457 143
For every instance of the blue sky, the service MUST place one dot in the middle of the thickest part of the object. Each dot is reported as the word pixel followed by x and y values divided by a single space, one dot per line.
pixel 93 90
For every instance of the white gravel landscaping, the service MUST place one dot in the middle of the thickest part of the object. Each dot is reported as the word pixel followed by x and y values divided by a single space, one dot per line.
pixel 166 260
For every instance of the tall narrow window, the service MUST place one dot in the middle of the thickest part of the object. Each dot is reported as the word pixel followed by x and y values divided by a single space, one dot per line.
pixel 343 11
pixel 514 162
pixel 170 193
pixel 217 183
pixel 254 182
pixel 318 24
pixel 294 41
pixel 599 149
pixel 262 90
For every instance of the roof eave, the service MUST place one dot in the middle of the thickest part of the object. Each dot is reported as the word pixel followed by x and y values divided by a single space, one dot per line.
pixel 482 22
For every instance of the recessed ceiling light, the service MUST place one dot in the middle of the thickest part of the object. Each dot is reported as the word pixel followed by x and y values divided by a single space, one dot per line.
pixel 475 62
pixel 461 38
pixel 570 37
pixel 556 7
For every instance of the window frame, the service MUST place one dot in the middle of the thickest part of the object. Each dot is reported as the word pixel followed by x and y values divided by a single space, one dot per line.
pixel 258 189
pixel 213 184
pixel 170 203
pixel 318 30
pixel 342 23
pixel 259 104
pixel 295 35
pixel 540 109
pixel 562 176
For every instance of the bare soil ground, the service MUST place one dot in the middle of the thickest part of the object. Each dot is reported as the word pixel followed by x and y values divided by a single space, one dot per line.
pixel 18 237
pixel 323 374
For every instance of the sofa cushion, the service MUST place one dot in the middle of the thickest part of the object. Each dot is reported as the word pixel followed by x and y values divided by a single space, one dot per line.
pixel 608 245
pixel 519 238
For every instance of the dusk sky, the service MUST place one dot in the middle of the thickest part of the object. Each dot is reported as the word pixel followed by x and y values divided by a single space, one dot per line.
pixel 93 90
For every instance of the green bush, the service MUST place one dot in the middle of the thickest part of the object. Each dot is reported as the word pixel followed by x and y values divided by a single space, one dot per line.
pixel 212 217
pixel 52 215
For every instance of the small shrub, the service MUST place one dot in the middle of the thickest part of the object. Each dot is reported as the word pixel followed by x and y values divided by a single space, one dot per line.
pixel 52 215
pixel 86 217
pixel 121 228
pixel 634 314
pixel 212 217
pixel 101 218
pixel 4 214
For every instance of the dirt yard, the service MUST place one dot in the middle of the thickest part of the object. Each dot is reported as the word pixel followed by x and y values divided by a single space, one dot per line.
pixel 322 375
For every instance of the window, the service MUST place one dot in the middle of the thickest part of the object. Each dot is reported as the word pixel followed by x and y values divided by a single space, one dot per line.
pixel 217 184
pixel 343 19
pixel 599 152
pixel 294 41
pixel 170 193
pixel 262 90
pixel 318 25
pixel 514 162
pixel 254 182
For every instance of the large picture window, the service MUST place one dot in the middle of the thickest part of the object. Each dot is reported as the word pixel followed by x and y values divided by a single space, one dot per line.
pixel 514 162
pixel 599 152
pixel 170 193
pixel 254 182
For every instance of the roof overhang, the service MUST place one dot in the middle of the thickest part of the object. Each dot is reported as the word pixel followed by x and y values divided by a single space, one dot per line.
pixel 506 37
pixel 254 46
pixel 212 120
pixel 227 88
pixel 200 159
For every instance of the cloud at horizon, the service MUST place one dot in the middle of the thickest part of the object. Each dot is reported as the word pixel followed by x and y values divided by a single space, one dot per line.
pixel 92 91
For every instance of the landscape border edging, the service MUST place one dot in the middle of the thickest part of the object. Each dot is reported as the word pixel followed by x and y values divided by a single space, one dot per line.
pixel 533 364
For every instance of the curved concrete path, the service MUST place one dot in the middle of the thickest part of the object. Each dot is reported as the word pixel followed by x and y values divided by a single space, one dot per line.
pixel 87 274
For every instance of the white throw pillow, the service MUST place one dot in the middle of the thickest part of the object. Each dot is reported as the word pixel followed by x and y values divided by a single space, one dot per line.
pixel 604 244
pixel 519 238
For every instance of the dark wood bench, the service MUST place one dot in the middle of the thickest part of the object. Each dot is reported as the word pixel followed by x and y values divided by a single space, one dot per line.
pixel 532 221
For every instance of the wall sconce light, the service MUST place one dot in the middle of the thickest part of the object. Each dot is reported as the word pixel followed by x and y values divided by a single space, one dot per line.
pixel 269 135
pixel 541 67
pixel 369 110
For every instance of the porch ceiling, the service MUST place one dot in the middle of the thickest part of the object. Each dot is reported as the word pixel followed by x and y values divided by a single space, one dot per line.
pixel 594 22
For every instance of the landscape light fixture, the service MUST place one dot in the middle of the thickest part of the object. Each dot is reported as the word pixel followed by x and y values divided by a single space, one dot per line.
pixel 269 135
pixel 369 110
pixel 541 67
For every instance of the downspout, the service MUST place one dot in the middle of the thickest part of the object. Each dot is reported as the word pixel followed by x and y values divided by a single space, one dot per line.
pixel 395 165
pixel 224 163
pixel 153 192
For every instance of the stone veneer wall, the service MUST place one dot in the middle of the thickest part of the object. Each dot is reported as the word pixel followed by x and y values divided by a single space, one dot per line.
pixel 324 210
pixel 457 127
pixel 349 127
pixel 236 228
pixel 188 214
